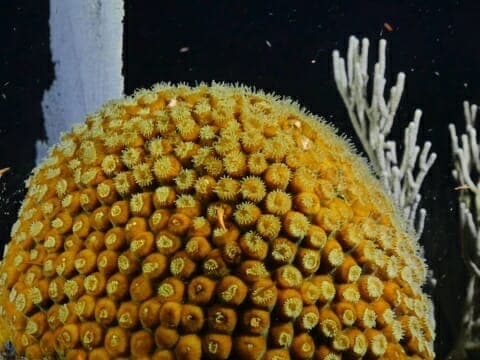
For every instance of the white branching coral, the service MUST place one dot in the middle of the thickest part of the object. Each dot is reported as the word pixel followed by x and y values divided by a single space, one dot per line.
pixel 466 156
pixel 373 122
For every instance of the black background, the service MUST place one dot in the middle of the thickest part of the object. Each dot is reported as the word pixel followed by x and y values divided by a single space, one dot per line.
pixel 434 42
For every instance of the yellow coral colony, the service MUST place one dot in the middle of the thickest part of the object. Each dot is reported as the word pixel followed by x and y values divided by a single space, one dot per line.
pixel 210 222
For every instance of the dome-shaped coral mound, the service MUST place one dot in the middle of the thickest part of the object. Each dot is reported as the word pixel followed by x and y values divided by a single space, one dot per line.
pixel 210 222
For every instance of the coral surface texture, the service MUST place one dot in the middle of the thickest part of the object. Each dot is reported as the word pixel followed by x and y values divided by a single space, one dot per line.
pixel 210 222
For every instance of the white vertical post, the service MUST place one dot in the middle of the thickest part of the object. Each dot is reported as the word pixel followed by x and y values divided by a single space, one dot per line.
pixel 86 40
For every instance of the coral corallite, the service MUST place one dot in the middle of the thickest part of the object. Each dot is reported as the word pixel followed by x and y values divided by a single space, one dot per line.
pixel 210 222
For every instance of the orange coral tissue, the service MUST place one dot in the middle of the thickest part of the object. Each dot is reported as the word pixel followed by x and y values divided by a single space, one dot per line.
pixel 210 222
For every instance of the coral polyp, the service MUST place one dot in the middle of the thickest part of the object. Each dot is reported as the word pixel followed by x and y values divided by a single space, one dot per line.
pixel 210 222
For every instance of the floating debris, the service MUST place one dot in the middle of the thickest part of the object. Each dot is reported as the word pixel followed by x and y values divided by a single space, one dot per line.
pixel 3 171
pixel 388 27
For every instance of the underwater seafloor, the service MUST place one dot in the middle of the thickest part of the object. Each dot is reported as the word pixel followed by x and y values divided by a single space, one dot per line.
pixel 284 48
